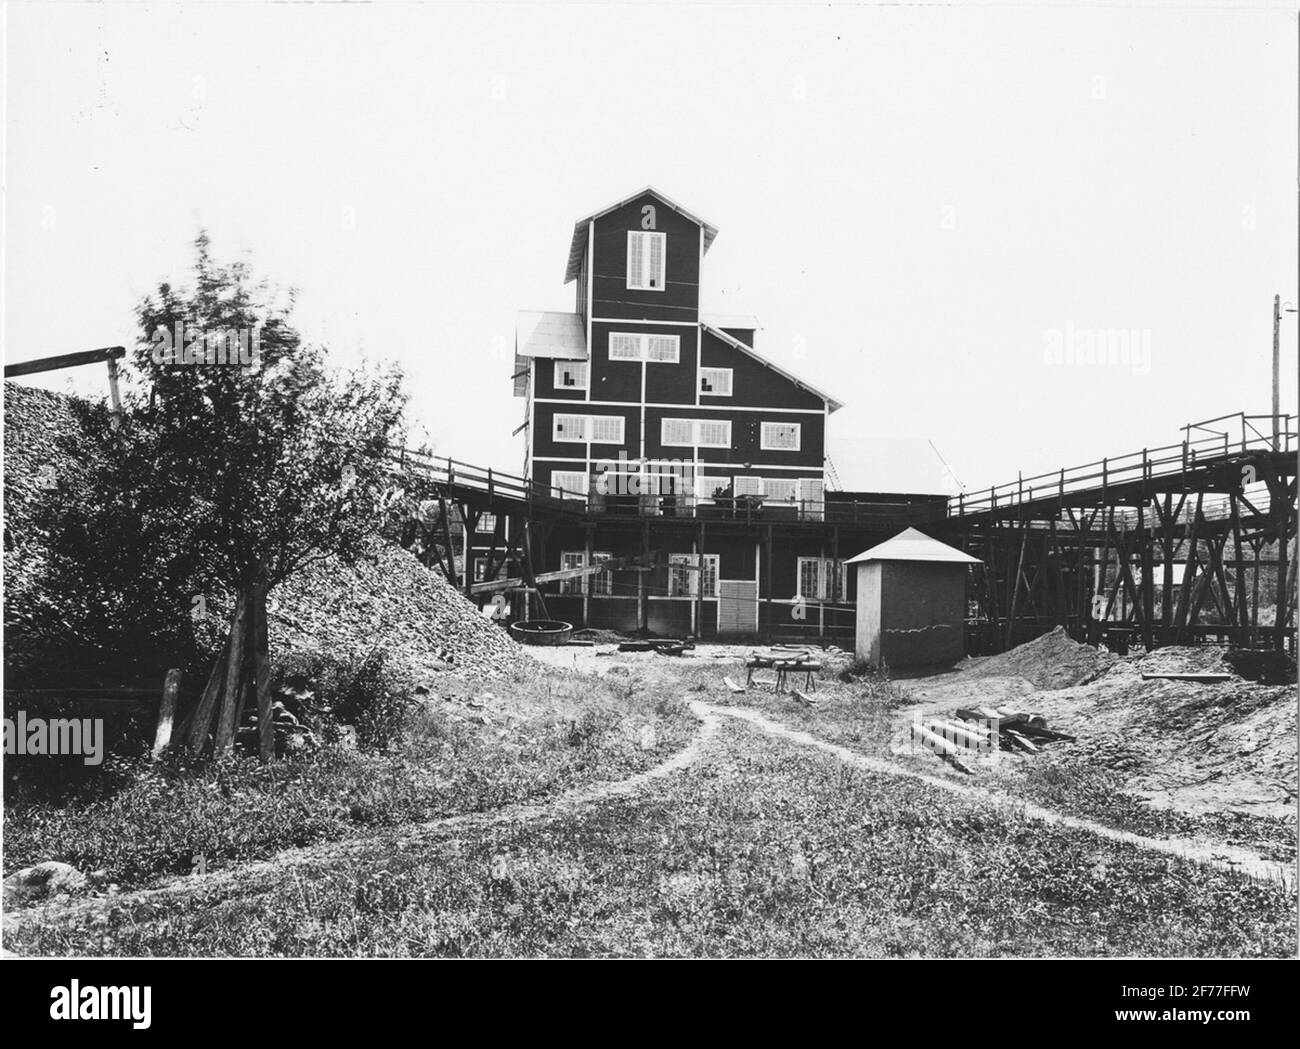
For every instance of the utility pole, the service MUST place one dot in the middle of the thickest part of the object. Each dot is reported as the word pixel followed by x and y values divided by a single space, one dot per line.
pixel 1277 322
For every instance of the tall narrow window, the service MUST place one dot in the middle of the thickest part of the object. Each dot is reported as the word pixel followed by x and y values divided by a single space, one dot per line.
pixel 645 260
pixel 810 578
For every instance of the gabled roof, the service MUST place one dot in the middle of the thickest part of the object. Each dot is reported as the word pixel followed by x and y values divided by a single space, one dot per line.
pixel 578 247
pixel 556 335
pixel 911 545
pixel 732 341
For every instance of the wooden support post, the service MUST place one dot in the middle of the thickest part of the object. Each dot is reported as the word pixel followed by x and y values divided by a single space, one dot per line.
pixel 235 681
pixel 767 554
pixel 1015 586
pixel 699 590
pixel 162 736
pixel 1281 509
pixel 642 602
pixel 1148 579
pixel 586 580
pixel 1185 591
pixel 1242 619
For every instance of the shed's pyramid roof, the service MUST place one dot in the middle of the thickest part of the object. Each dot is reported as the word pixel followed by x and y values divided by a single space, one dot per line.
pixel 911 545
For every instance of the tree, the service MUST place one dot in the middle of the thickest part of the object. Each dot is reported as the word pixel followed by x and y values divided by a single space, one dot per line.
pixel 250 458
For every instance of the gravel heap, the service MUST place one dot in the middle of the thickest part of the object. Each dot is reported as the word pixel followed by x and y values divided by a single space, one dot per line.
pixel 390 600
pixel 1051 661
pixel 395 603
pixel 46 452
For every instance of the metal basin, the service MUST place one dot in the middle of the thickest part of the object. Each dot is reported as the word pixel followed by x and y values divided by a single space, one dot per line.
pixel 541 632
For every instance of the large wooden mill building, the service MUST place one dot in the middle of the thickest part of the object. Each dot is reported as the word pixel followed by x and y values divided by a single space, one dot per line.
pixel 683 446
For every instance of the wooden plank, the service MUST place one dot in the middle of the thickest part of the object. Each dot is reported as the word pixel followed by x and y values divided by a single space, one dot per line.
pixel 948 751
pixel 1020 741
pixel 64 360
pixel 162 736
pixel 201 721
pixel 732 685
pixel 803 698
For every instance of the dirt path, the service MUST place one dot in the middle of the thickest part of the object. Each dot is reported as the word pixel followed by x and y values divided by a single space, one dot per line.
pixel 1225 857
pixel 242 880
pixel 243 876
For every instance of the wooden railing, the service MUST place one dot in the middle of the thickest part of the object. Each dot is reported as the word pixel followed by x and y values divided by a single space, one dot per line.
pixel 1147 465
pixel 492 485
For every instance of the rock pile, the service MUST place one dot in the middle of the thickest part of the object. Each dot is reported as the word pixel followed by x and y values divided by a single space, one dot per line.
pixel 1051 661
pixel 395 603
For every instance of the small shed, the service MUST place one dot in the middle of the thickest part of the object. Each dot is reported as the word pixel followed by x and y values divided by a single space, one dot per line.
pixel 911 601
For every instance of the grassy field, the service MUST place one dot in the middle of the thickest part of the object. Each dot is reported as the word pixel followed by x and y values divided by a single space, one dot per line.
pixel 760 849
pixel 545 732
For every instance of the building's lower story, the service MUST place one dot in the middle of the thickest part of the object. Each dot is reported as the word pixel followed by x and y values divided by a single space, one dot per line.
pixel 684 581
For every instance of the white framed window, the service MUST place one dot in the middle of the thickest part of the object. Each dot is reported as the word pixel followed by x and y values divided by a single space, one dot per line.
pixel 687 433
pixel 714 433
pixel 677 433
pixel 486 523
pixel 810 578
pixel 624 346
pixel 572 559
pixel 634 346
pixel 684 579
pixel 599 429
pixel 818 577
pixel 716 382
pixel 646 254
pixel 607 429
pixel 570 375
pixel 570 428
pixel 599 582
pixel 781 489
pixel 812 496
pixel 749 486
pixel 572 483
pixel 780 437
pixel 708 487
pixel 709 575
pixel 666 349
pixel 480 569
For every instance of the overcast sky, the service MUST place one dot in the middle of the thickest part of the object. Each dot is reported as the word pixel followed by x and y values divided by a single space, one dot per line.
pixel 930 210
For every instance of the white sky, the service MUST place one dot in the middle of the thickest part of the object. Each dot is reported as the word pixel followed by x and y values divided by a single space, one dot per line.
pixel 911 199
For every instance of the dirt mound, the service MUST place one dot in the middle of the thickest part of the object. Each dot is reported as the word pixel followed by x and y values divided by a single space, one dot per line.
pixel 390 602
pixel 1193 747
pixel 1048 662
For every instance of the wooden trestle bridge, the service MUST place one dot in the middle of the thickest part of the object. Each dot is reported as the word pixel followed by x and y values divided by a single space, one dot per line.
pixel 1171 545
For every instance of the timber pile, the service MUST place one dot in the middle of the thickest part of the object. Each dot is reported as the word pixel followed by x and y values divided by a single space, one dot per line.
pixel 982 729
